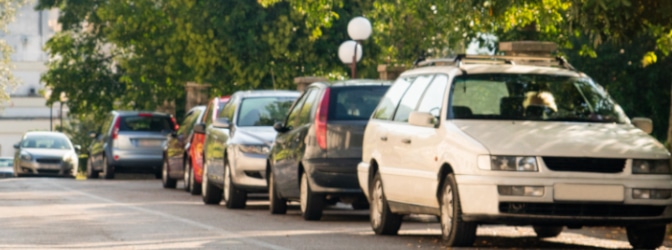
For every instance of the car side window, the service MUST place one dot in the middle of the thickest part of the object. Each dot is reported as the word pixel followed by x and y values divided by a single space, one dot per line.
pixel 411 98
pixel 311 100
pixel 188 122
pixel 389 102
pixel 433 98
pixel 293 117
pixel 208 114
pixel 228 110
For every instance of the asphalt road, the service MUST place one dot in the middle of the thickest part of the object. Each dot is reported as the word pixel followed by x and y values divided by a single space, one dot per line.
pixel 137 213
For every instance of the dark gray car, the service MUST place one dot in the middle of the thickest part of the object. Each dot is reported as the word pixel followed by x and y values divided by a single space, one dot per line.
pixel 317 149
pixel 130 141
pixel 237 145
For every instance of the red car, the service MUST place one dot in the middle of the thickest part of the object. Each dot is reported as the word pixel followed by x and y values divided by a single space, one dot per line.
pixel 193 174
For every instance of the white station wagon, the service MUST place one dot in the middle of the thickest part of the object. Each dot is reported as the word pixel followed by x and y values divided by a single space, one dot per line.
pixel 517 141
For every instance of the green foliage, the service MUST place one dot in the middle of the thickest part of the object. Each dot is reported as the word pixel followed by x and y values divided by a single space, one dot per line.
pixel 7 12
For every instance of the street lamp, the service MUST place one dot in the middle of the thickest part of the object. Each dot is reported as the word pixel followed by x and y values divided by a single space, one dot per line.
pixel 359 29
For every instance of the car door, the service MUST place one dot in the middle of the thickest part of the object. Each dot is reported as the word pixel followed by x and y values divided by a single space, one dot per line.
pixel 400 170
pixel 285 153
pixel 97 148
pixel 216 140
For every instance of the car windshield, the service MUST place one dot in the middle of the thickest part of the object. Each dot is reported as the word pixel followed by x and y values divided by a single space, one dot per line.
pixel 6 162
pixel 45 141
pixel 263 111
pixel 532 97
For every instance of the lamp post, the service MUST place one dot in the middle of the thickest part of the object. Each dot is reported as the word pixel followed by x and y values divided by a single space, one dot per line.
pixel 359 29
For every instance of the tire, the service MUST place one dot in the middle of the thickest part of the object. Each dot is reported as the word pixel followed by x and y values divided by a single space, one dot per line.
pixel 383 221
pixel 277 204
pixel 311 203
pixel 187 176
pixel 454 231
pixel 165 177
pixel 646 237
pixel 547 231
pixel 234 198
pixel 194 188
pixel 108 170
pixel 90 172
pixel 211 194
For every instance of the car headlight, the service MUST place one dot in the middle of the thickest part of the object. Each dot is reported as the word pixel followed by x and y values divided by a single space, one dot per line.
pixel 640 166
pixel 70 158
pixel 254 149
pixel 514 163
pixel 26 156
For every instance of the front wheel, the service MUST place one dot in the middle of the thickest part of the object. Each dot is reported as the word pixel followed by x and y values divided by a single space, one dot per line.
pixel 547 231
pixel 383 221
pixel 233 196
pixel 187 177
pixel 277 204
pixel 165 177
pixel 454 231
pixel 212 195
pixel 90 172
pixel 194 188
pixel 311 203
pixel 646 237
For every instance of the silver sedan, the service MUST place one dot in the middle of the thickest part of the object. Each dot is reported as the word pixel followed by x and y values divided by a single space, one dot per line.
pixel 45 153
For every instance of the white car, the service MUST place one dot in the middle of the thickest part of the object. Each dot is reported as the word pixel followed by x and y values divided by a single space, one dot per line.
pixel 45 153
pixel 502 141
pixel 6 167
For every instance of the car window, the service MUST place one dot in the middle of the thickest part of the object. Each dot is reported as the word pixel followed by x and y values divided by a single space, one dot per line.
pixel 354 103
pixel 263 111
pixel 145 123
pixel 208 113
pixel 189 121
pixel 228 110
pixel 388 104
pixel 411 98
pixel 311 100
pixel 432 100
pixel 293 117
pixel 6 162
pixel 46 142
pixel 532 97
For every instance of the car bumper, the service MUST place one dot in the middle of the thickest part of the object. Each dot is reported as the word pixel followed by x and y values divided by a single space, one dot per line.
pixel 333 175
pixel 35 168
pixel 585 201
pixel 132 161
pixel 249 172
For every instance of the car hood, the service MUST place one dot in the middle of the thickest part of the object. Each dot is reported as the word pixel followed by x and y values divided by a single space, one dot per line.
pixel 255 135
pixel 55 153
pixel 567 139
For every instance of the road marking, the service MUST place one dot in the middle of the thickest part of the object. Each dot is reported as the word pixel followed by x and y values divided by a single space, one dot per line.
pixel 240 237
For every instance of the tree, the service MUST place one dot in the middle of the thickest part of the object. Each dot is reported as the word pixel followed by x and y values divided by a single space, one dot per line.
pixel 7 12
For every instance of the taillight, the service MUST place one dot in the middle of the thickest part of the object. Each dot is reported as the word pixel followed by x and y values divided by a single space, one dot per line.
pixel 145 115
pixel 115 129
pixel 321 120
pixel 175 125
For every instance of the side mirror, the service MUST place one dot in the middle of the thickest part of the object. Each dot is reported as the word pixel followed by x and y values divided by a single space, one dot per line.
pixel 93 135
pixel 78 148
pixel 199 128
pixel 16 146
pixel 423 119
pixel 280 127
pixel 645 124
pixel 221 123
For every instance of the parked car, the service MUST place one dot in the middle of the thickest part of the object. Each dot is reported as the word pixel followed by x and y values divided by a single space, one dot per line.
pixel 503 140
pixel 237 145
pixel 319 144
pixel 129 141
pixel 193 173
pixel 178 146
pixel 6 166
pixel 45 153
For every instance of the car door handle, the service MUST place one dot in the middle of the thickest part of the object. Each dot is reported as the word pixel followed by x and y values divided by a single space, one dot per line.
pixel 406 141
pixel 383 138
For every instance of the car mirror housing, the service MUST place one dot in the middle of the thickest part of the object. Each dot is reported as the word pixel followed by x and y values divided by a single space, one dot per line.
pixel 78 148
pixel 199 128
pixel 16 146
pixel 423 119
pixel 645 124
pixel 221 123
pixel 280 127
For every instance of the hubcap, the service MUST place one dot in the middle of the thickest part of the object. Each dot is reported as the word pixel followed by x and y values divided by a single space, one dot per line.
pixel 164 172
pixel 227 182
pixel 447 211
pixel 377 204
pixel 304 193
pixel 187 169
pixel 204 182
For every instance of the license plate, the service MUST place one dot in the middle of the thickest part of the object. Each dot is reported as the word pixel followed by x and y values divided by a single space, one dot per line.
pixel 149 143
pixel 584 192
pixel 50 166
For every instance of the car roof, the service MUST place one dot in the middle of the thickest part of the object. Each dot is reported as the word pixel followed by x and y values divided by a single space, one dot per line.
pixel 131 112
pixel 262 93
pixel 44 133
pixel 353 83
pixel 493 69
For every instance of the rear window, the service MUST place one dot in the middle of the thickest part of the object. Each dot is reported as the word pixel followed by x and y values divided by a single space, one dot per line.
pixel 354 103
pixel 146 123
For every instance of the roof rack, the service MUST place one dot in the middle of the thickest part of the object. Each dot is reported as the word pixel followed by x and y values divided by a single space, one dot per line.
pixel 461 59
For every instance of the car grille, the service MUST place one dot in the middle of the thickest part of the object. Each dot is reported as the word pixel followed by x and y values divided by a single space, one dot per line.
pixel 579 209
pixel 593 165
pixel 49 160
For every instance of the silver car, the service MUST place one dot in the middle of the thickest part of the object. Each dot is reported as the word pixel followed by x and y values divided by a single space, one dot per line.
pixel 6 166
pixel 45 153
